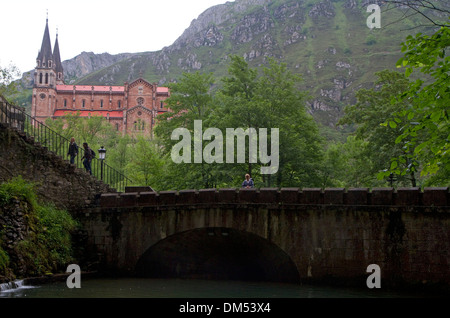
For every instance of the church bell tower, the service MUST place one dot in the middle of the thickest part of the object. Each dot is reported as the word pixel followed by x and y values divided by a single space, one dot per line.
pixel 48 73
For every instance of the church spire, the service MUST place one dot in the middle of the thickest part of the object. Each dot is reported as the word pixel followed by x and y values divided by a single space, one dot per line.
pixel 45 54
pixel 57 60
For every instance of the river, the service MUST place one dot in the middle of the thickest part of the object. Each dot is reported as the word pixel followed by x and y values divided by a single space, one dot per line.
pixel 189 288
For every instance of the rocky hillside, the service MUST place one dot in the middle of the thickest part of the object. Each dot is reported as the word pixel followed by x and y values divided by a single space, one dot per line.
pixel 80 66
pixel 327 41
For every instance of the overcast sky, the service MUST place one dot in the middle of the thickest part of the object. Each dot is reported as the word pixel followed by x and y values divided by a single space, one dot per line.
pixel 92 26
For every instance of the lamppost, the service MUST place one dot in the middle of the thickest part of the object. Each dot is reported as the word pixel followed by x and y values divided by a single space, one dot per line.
pixel 391 179
pixel 101 156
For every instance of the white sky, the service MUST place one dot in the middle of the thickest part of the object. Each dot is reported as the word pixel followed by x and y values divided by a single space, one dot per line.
pixel 98 26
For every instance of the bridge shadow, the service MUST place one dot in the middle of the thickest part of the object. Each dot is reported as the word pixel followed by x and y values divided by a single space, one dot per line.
pixel 217 253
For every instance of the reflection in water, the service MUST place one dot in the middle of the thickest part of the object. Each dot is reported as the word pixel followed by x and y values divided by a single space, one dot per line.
pixel 181 288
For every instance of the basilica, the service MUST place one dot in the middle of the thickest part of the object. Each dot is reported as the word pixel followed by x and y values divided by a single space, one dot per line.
pixel 131 108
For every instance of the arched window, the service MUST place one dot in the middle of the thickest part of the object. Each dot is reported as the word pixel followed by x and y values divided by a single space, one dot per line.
pixel 139 125
pixel 40 78
pixel 46 78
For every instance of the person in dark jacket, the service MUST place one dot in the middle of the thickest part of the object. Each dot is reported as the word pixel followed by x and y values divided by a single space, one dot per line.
pixel 248 182
pixel 73 150
pixel 87 158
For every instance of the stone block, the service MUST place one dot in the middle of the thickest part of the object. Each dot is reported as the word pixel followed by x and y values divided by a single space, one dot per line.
pixel 127 199
pixel 408 196
pixel 382 196
pixel 138 189
pixel 436 196
pixel 248 195
pixel 227 196
pixel 187 197
pixel 147 199
pixel 168 197
pixel 109 200
pixel 207 195
pixel 311 196
pixel 357 196
pixel 289 195
pixel 269 195
pixel 334 196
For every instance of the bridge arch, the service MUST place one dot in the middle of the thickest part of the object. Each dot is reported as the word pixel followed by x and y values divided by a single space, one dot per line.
pixel 217 253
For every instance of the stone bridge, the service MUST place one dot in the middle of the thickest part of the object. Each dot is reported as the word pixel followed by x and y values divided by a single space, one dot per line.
pixel 284 235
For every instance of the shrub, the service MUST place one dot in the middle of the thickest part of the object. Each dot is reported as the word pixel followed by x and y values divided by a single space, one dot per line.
pixel 48 246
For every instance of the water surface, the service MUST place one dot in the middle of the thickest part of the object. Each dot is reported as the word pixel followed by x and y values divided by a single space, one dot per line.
pixel 186 288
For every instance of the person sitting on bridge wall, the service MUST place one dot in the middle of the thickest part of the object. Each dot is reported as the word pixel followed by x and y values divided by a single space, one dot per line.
pixel 248 182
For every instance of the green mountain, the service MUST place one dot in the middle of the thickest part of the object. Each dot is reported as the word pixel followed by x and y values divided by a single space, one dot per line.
pixel 327 41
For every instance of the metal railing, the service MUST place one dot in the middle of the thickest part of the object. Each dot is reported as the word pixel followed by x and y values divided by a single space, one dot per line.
pixel 46 137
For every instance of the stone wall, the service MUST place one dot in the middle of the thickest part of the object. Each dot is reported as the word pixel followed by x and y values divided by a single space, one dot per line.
pixel 56 179
pixel 331 235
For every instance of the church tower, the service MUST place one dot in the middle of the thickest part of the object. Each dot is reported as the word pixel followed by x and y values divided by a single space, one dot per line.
pixel 47 74
pixel 59 71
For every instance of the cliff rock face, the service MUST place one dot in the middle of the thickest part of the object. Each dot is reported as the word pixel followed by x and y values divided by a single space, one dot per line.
pixel 88 62
pixel 80 66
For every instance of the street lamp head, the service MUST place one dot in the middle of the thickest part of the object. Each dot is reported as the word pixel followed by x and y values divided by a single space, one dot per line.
pixel 102 153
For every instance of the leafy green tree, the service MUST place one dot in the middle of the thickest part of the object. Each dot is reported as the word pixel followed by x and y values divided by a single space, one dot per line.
pixel 119 151
pixel 190 99
pixel 428 100
pixel 95 130
pixel 236 107
pixel 373 108
pixel 145 166
pixel 348 165
pixel 271 100
pixel 7 75
pixel 242 80
pixel 300 143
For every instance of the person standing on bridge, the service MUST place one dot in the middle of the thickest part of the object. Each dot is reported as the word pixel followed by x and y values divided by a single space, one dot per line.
pixel 88 155
pixel 73 150
pixel 248 182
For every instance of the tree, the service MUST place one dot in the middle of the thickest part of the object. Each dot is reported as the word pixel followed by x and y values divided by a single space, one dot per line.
pixel 300 142
pixel 145 166
pixel 430 10
pixel 373 108
pixel 7 85
pixel 271 100
pixel 348 164
pixel 237 107
pixel 428 100
pixel 190 99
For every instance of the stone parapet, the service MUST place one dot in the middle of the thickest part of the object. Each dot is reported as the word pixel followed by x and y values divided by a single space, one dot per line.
pixel 436 197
